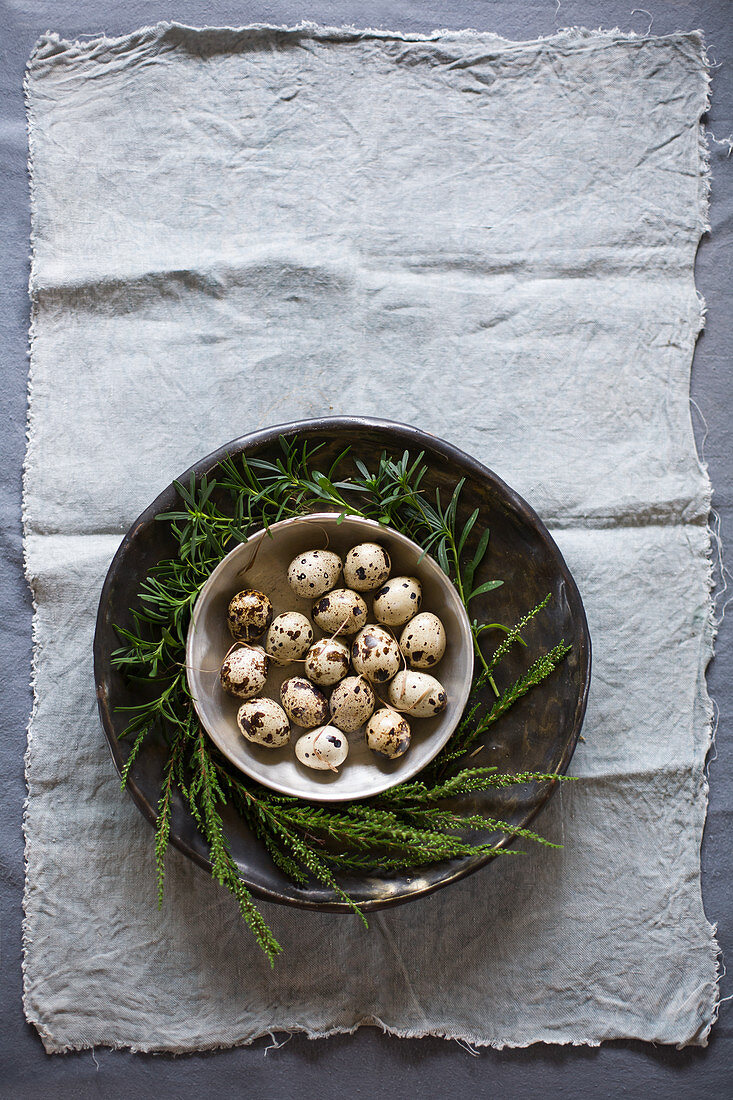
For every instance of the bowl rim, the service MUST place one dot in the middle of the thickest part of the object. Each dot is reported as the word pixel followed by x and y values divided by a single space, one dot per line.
pixel 408 436
pixel 441 737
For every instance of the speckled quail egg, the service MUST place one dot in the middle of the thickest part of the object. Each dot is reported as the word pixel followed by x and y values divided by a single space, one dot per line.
pixel 417 694
pixel 366 566
pixel 398 600
pixel 324 749
pixel 423 640
pixel 327 662
pixel 244 671
pixel 388 733
pixel 263 722
pixel 352 702
pixel 375 654
pixel 341 610
pixel 249 615
pixel 314 572
pixel 289 637
pixel 304 704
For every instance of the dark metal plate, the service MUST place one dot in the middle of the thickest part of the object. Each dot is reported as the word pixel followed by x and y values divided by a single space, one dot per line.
pixel 538 734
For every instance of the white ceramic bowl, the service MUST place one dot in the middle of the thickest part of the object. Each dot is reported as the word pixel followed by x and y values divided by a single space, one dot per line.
pixel 262 563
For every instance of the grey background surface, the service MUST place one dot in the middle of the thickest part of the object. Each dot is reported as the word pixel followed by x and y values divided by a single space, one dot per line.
pixel 367 1064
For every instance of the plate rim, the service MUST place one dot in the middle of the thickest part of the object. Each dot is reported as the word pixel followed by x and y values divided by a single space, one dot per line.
pixel 410 436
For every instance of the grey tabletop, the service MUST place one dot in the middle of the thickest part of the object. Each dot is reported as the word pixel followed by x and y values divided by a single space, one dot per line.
pixel 368 1063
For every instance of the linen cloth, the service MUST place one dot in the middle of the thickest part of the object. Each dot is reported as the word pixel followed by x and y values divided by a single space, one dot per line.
pixel 492 240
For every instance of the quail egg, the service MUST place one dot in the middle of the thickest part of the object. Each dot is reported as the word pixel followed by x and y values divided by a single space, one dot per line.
pixel 417 694
pixel 341 610
pixel 352 702
pixel 314 572
pixel 304 704
pixel 375 654
pixel 388 733
pixel 289 637
pixel 244 671
pixel 249 615
pixel 366 566
pixel 398 600
pixel 327 662
pixel 324 749
pixel 423 640
pixel 263 722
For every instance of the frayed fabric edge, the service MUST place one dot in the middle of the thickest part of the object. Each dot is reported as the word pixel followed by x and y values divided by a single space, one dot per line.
pixel 470 1043
pixel 51 44
pixel 716 570
pixel 54 44
pixel 36 646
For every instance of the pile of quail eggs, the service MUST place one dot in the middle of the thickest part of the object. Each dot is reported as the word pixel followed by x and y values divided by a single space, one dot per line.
pixel 354 659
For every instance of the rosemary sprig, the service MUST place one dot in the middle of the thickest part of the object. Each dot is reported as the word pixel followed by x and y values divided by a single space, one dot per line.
pixel 409 825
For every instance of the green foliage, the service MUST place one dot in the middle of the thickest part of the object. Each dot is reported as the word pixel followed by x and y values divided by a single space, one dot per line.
pixel 408 826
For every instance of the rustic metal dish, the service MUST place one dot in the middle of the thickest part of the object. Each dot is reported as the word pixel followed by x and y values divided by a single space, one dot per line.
pixel 262 563
pixel 538 734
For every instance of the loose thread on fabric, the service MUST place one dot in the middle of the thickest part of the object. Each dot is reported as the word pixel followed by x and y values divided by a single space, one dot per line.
pixel 725 143
pixel 713 751
pixel 721 572
pixel 643 11
pixel 721 1000
pixel 468 1047
pixel 274 1045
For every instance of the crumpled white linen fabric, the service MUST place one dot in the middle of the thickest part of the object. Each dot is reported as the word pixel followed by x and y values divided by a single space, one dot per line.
pixel 492 240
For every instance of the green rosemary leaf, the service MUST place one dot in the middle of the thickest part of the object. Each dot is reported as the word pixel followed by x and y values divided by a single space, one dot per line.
pixel 337 462
pixel 442 552
pixel 467 530
pixel 488 586
pixel 183 492
pixel 481 549
pixel 450 514
pixel 206 489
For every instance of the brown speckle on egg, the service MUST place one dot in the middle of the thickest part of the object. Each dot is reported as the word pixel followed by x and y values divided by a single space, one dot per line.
pixel 388 733
pixel 244 671
pixel 366 566
pixel 397 601
pixel 352 702
pixel 314 572
pixel 289 637
pixel 342 610
pixel 249 615
pixel 304 704
pixel 375 654
pixel 263 722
